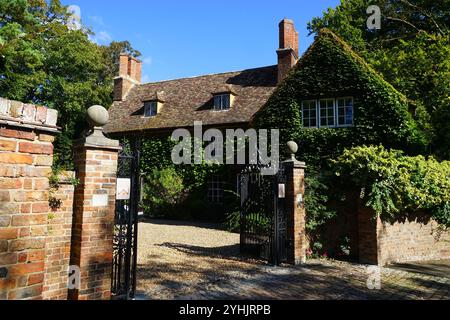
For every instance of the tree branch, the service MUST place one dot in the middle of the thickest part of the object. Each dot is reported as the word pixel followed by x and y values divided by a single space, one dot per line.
pixel 405 22
pixel 422 11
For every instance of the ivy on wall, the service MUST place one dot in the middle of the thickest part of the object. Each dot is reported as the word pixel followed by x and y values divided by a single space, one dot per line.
pixel 175 191
pixel 330 69
pixel 382 115
pixel 392 183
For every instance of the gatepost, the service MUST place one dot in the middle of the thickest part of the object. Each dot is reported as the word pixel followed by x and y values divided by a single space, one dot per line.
pixel 295 207
pixel 92 241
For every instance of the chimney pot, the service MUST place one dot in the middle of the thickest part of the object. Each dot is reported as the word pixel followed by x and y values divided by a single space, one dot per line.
pixel 130 74
pixel 288 52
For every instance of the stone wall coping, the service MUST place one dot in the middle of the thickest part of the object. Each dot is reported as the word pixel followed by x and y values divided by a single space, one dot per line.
pixel 294 164
pixel 16 113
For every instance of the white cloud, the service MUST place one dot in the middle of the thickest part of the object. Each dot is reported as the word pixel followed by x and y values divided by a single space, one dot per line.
pixel 147 60
pixel 104 36
pixel 101 37
pixel 74 22
pixel 98 20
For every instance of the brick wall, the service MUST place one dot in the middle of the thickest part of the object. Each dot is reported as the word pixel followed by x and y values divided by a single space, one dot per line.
pixel 296 214
pixel 343 227
pixel 58 242
pixel 92 244
pixel 414 237
pixel 26 136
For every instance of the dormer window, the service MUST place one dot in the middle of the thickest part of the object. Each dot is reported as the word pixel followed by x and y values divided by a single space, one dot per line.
pixel 222 102
pixel 150 109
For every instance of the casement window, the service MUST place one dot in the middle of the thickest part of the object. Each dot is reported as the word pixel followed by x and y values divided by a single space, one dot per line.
pixel 328 113
pixel 309 112
pixel 222 102
pixel 150 109
pixel 215 190
pixel 344 112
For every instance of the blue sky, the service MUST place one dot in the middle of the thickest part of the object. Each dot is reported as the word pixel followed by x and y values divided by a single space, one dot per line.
pixel 187 38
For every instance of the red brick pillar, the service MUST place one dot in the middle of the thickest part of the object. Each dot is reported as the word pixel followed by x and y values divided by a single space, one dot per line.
pixel 26 157
pixel 92 240
pixel 295 209
pixel 368 225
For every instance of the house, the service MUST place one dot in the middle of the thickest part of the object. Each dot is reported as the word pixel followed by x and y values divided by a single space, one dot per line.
pixel 223 100
pixel 329 88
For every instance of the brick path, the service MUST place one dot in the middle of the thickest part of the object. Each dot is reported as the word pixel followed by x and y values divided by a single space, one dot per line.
pixel 169 270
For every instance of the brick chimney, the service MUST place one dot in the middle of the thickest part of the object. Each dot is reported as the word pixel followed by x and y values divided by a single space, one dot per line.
pixel 130 74
pixel 288 51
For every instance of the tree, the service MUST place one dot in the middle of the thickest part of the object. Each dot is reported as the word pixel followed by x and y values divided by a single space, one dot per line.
pixel 113 51
pixel 411 51
pixel 45 61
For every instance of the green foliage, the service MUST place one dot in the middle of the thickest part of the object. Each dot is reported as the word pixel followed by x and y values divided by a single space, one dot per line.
pixel 157 153
pixel 330 69
pixel 411 51
pixel 316 202
pixel 254 221
pixel 42 61
pixel 233 221
pixel 156 157
pixel 164 190
pixel 392 183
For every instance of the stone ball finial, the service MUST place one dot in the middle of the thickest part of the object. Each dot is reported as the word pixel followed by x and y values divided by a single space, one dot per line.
pixel 292 147
pixel 97 116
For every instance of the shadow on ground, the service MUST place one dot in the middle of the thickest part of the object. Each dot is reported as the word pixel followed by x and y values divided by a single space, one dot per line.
pixel 434 268
pixel 173 270
pixel 225 275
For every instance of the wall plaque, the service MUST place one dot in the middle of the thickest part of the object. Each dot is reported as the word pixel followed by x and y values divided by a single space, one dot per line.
pixel 123 189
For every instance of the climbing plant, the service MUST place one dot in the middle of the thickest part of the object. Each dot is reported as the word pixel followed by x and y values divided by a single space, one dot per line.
pixel 391 183
pixel 330 69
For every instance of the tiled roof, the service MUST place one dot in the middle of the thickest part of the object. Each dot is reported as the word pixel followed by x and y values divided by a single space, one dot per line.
pixel 191 99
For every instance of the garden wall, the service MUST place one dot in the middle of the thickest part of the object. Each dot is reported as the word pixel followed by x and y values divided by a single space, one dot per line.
pixel 58 242
pixel 26 157
pixel 412 238
pixel 47 227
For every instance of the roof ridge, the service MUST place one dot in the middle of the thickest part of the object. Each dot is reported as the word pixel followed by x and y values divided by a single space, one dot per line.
pixel 353 54
pixel 208 75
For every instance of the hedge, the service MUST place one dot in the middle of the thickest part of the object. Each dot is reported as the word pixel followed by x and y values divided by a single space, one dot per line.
pixel 393 184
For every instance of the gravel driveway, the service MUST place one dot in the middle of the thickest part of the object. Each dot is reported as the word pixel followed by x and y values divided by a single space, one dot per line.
pixel 179 260
pixel 176 259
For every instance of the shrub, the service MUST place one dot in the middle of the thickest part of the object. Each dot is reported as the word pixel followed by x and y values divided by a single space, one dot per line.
pixel 316 202
pixel 392 183
pixel 256 220
pixel 163 191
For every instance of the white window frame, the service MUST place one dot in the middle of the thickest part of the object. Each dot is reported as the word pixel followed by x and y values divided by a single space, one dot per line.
pixel 303 112
pixel 339 125
pixel 225 97
pixel 150 106
pixel 319 107
pixel 335 110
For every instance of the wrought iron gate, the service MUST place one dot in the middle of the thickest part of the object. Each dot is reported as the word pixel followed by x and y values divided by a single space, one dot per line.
pixel 126 222
pixel 263 214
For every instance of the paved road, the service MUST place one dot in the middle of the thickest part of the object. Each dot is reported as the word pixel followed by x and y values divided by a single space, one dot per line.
pixel 189 261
